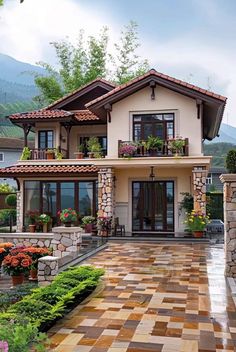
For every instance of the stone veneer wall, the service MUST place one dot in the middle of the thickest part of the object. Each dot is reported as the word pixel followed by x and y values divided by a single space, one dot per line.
pixel 106 192
pixel 199 188
pixel 47 269
pixel 28 239
pixel 229 181
pixel 66 240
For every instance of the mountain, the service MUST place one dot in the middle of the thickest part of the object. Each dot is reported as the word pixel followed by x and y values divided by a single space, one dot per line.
pixel 17 80
pixel 227 134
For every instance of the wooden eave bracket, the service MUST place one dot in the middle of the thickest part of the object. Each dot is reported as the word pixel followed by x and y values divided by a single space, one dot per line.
pixel 108 108
pixel 152 85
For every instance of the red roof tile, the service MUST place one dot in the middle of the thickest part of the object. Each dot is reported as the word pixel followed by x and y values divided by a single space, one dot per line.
pixel 160 75
pixel 41 114
pixel 44 169
pixel 85 115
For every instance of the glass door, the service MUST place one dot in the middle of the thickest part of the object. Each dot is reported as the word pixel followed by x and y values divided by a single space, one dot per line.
pixel 153 206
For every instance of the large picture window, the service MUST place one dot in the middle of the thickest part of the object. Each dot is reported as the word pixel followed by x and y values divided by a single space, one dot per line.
pixel 51 196
pixel 158 125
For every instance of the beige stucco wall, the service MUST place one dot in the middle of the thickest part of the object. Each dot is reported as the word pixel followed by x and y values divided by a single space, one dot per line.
pixel 55 126
pixel 182 178
pixel 186 122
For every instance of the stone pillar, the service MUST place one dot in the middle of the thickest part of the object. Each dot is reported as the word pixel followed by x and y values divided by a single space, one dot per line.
pixel 229 181
pixel 18 212
pixel 199 188
pixel 66 240
pixel 106 192
pixel 47 269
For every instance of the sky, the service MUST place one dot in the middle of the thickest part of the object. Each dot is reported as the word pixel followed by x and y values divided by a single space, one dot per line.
pixel 194 40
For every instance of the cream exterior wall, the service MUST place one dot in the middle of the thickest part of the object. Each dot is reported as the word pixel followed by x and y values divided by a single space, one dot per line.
pixel 187 125
pixel 54 126
pixel 123 192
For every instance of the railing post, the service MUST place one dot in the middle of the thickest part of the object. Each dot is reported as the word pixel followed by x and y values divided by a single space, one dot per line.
pixel 119 144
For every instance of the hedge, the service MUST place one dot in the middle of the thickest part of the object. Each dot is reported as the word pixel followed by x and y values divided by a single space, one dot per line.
pixel 45 305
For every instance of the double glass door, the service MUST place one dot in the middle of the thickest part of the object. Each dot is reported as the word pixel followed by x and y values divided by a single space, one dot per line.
pixel 153 206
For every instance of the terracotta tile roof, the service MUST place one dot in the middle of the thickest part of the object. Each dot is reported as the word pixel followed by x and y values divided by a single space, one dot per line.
pixel 85 115
pixel 159 75
pixel 102 80
pixel 41 114
pixel 44 169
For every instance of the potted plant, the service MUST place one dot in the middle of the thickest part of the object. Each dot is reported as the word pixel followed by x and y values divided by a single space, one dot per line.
pixel 68 216
pixel 154 144
pixel 141 147
pixel 127 150
pixel 33 218
pixel 104 225
pixel 58 154
pixel 5 248
pixel 177 146
pixel 35 253
pixel 88 222
pixel 17 265
pixel 80 152
pixel 26 154
pixel 196 222
pixel 94 148
pixel 44 220
pixel 50 154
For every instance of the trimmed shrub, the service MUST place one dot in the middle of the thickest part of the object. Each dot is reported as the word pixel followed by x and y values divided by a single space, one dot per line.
pixel 5 215
pixel 231 161
pixel 10 200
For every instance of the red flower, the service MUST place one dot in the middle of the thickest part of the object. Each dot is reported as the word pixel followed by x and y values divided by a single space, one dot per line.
pixel 15 262
pixel 26 262
pixel 66 215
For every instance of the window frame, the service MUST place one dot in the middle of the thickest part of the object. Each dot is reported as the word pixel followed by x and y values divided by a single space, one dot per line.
pixel 3 157
pixel 46 139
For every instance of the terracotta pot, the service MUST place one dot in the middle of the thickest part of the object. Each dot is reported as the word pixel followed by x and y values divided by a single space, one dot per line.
pixel 91 155
pixel 50 156
pixel 32 227
pixel 34 274
pixel 45 228
pixel 104 233
pixel 80 155
pixel 88 228
pixel 17 279
pixel 68 224
pixel 198 234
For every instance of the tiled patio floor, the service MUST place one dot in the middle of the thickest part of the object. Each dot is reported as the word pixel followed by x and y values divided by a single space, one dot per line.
pixel 157 297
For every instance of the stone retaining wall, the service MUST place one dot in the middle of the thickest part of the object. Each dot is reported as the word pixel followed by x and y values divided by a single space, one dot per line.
pixel 229 181
pixel 66 240
pixel 28 239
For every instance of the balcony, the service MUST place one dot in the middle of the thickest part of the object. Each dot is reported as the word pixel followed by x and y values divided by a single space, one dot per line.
pixel 164 148
pixel 50 154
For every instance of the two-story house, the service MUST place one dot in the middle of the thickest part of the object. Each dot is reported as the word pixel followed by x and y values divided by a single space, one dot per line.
pixel 139 179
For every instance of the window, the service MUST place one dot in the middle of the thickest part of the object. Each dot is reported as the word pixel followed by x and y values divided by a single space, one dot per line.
pixel 45 139
pixel 31 198
pixel 101 139
pixel 158 125
pixel 86 201
pixel 1 157
pixel 209 179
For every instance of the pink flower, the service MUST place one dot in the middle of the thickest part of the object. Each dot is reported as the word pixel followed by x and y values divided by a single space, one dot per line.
pixel 3 346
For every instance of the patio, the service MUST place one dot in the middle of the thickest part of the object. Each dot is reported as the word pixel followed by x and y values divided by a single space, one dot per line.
pixel 157 297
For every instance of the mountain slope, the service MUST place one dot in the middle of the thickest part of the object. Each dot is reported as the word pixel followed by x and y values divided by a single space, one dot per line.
pixel 227 135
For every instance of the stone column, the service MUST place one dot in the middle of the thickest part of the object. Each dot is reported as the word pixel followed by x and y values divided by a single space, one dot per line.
pixel 229 181
pixel 199 188
pixel 66 240
pixel 47 269
pixel 18 212
pixel 106 193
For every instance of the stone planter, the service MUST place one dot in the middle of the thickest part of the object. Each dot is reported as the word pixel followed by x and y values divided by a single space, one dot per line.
pixel 17 279
pixel 68 224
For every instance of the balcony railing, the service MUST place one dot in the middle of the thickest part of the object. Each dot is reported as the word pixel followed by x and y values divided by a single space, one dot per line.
pixel 169 148
pixel 47 153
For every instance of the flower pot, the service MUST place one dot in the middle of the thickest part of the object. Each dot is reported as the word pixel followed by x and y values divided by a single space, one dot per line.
pixel 17 279
pixel 91 155
pixel 104 233
pixel 32 227
pixel 45 228
pixel 80 155
pixel 34 274
pixel 50 155
pixel 88 228
pixel 198 234
pixel 67 224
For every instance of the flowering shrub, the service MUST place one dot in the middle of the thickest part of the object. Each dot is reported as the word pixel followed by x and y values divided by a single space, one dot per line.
pixel 44 219
pixel 35 253
pixel 196 221
pixel 4 346
pixel 4 250
pixel 104 223
pixel 68 215
pixel 127 150
pixel 32 216
pixel 16 264
pixel 88 219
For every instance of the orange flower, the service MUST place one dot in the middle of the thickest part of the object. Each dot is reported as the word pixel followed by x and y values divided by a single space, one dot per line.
pixel 26 263
pixel 15 262
pixel 2 250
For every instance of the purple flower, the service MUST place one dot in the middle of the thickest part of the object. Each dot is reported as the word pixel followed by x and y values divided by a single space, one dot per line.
pixel 128 149
pixel 3 346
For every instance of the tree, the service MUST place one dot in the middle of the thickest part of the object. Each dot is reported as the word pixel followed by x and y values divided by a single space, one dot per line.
pixel 231 161
pixel 84 62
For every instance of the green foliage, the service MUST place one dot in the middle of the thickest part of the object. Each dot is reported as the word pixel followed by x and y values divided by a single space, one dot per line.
pixel 22 337
pixel 187 202
pixel 6 188
pixel 5 215
pixel 88 219
pixel 26 153
pixel 231 161
pixel 218 151
pixel 10 200
pixel 83 62
pixel 8 297
pixel 154 142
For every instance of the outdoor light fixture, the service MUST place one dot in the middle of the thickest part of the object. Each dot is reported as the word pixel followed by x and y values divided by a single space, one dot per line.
pixel 152 175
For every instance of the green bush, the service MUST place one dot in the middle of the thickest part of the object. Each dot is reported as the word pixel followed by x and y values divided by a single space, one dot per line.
pixel 5 215
pixel 6 188
pixel 231 161
pixel 10 200
pixel 8 297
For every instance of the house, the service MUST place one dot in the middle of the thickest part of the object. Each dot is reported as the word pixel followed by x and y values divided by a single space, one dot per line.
pixel 10 152
pixel 213 182
pixel 140 183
